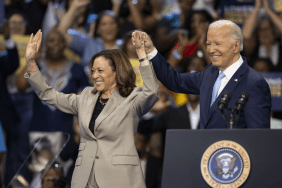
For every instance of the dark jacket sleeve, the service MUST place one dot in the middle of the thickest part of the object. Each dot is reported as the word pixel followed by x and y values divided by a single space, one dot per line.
pixel 258 108
pixel 188 83
pixel 9 61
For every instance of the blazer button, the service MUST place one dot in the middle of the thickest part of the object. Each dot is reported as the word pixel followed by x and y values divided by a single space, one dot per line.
pixel 97 157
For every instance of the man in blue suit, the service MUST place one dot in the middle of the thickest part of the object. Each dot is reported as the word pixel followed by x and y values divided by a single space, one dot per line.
pixel 228 71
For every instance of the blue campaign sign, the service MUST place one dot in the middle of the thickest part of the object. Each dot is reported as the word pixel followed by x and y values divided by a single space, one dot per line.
pixel 274 81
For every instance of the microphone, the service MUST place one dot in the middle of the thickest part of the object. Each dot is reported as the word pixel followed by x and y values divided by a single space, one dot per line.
pixel 242 101
pixel 225 98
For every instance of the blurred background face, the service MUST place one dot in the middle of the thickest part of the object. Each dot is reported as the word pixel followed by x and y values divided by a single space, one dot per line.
pixel 130 50
pixel 107 28
pixel 196 64
pixel 51 174
pixel 266 33
pixel 103 75
pixel 55 45
pixel 261 66
pixel 186 5
pixel 17 24
pixel 196 20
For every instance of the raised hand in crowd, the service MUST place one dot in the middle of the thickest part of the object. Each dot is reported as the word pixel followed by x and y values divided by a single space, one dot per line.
pixel 116 6
pixel 31 51
pixel 70 16
pixel 266 36
pixel 273 16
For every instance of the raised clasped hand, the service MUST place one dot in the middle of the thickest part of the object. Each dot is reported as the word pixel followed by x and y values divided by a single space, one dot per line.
pixel 141 40
pixel 33 46
pixel 138 40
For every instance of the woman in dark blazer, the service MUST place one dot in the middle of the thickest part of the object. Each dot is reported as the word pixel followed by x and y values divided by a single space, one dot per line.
pixel 108 115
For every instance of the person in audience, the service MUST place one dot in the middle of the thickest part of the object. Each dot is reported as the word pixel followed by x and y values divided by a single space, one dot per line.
pixel 127 46
pixel 261 41
pixel 35 11
pixel 67 77
pixel 22 100
pixel 169 27
pixel 80 23
pixel 209 6
pixel 104 153
pixel 151 165
pixel 18 24
pixel 142 15
pixel 105 34
pixel 194 40
pixel 9 117
pixel 263 65
pixel 54 176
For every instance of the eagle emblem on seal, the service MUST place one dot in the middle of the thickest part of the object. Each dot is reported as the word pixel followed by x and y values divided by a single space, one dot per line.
pixel 225 163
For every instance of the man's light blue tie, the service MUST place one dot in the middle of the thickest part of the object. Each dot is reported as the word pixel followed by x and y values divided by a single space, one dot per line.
pixel 216 86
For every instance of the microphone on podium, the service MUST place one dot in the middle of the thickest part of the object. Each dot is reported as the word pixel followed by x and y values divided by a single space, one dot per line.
pixel 223 103
pixel 241 104
pixel 242 101
pixel 225 98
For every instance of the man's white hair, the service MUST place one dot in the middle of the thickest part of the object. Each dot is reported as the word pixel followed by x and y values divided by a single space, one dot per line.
pixel 235 30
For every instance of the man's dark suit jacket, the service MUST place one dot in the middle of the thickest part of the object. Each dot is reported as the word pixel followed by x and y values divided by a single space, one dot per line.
pixel 257 111
pixel 9 62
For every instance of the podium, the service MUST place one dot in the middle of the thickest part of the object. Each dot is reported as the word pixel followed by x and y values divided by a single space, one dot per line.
pixel 187 162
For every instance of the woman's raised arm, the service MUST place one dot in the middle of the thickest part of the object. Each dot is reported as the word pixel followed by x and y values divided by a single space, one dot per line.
pixel 69 17
pixel 67 103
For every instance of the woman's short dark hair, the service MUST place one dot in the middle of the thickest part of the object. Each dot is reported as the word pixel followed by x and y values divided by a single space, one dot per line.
pixel 125 76
pixel 26 20
pixel 103 13
pixel 257 28
pixel 126 40
pixel 189 17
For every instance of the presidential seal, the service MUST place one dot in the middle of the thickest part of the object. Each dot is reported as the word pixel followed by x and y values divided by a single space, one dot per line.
pixel 225 164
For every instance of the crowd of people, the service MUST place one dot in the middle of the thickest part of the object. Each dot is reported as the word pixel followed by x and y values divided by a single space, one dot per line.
pixel 86 27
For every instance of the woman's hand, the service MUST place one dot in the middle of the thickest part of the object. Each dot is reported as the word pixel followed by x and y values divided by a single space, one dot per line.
pixel 138 40
pixel 33 46
pixel 141 41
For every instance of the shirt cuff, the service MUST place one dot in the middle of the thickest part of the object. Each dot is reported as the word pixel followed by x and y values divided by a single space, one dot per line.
pixel 10 43
pixel 152 54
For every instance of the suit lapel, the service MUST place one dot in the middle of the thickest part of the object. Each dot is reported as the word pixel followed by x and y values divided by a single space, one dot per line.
pixel 231 85
pixel 206 94
pixel 111 105
pixel 90 105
